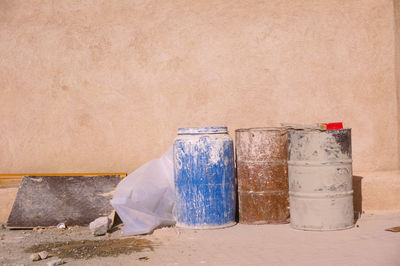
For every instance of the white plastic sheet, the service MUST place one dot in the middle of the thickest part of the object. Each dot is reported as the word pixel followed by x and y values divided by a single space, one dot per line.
pixel 145 198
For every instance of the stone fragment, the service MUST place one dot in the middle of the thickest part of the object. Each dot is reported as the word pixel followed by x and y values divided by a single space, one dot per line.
pixel 100 226
pixel 34 257
pixel 61 226
pixel 55 262
pixel 43 255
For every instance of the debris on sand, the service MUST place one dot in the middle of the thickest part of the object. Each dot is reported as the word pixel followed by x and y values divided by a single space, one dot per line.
pixel 85 249
pixel 43 255
pixel 34 257
pixel 394 229
pixel 39 256
pixel 38 229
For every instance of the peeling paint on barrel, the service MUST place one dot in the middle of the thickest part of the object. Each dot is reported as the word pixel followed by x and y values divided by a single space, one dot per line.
pixel 261 158
pixel 204 178
pixel 320 179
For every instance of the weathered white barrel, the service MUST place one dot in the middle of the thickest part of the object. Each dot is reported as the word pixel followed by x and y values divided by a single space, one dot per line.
pixel 320 179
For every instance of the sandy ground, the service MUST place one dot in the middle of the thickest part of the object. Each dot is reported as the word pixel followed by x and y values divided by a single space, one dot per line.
pixel 366 244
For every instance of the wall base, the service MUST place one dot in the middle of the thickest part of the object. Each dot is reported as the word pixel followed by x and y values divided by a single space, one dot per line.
pixel 379 191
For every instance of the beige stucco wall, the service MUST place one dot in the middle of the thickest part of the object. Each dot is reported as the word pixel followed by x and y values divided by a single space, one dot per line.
pixel 98 87
pixel 396 4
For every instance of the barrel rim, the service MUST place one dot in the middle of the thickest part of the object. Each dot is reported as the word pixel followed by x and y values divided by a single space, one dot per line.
pixel 320 228
pixel 202 130
pixel 277 129
pixel 317 130
pixel 205 226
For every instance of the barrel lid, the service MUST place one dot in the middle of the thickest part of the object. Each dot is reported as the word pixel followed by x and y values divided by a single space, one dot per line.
pixel 202 130
pixel 318 130
pixel 318 127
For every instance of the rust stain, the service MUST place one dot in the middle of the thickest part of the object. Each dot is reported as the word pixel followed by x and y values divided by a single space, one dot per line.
pixel 262 172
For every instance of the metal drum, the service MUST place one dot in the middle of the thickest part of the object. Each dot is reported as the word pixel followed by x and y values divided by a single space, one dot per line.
pixel 204 178
pixel 320 179
pixel 262 171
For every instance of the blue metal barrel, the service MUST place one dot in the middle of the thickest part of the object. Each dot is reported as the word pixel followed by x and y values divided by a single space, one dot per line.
pixel 204 178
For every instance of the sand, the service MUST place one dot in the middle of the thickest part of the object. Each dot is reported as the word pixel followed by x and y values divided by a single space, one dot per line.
pixel 366 244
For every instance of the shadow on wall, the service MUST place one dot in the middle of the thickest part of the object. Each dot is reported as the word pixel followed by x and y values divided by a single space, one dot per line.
pixel 357 196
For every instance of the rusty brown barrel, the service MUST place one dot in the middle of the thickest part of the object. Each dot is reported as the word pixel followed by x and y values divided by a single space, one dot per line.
pixel 262 172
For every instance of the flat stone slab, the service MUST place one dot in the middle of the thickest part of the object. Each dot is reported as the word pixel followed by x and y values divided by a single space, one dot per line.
pixel 73 200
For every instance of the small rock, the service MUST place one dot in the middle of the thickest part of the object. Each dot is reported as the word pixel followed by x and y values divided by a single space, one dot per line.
pixel 55 262
pixel 61 226
pixel 108 235
pixel 43 255
pixel 100 226
pixel 2 226
pixel 34 257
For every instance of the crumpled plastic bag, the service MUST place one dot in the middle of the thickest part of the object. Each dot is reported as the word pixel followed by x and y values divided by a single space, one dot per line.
pixel 144 200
